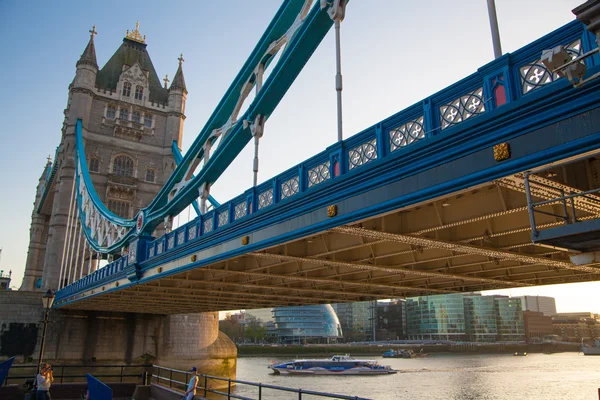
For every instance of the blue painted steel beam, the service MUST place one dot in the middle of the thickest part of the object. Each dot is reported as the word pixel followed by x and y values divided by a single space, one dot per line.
pixel 294 57
pixel 177 156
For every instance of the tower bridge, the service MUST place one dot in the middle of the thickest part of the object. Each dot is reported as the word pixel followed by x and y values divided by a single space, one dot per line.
pixel 452 194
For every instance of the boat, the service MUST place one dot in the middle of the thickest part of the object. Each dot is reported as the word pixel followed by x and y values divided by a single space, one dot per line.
pixel 591 350
pixel 404 354
pixel 337 365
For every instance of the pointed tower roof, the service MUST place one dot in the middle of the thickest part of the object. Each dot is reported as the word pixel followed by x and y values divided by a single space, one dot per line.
pixel 132 50
pixel 89 54
pixel 178 79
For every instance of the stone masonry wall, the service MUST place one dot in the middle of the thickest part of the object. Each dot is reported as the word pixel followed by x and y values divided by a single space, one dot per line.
pixel 75 337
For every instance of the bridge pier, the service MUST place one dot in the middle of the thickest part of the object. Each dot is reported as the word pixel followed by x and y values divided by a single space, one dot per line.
pixel 90 337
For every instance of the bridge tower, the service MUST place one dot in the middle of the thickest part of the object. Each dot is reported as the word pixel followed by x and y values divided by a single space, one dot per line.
pixel 130 120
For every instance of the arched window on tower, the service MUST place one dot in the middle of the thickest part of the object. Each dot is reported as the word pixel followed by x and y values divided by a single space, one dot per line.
pixel 136 117
pixel 139 92
pixel 94 164
pixel 111 112
pixel 127 89
pixel 122 166
pixel 124 114
pixel 150 175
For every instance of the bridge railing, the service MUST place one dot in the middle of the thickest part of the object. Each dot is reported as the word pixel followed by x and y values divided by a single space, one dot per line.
pixel 169 377
pixel 446 115
pixel 77 373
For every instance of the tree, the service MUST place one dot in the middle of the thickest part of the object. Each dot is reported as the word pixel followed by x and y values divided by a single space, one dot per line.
pixel 231 327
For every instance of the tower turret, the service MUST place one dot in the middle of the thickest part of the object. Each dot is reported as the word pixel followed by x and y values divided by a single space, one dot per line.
pixel 177 97
pixel 84 83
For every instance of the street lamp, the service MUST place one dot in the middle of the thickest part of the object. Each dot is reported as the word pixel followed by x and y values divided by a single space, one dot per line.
pixel 47 300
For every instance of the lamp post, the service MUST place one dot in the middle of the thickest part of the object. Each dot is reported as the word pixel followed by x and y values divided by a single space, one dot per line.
pixel 47 300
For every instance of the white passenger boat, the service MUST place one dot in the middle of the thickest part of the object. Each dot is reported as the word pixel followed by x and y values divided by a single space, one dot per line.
pixel 337 365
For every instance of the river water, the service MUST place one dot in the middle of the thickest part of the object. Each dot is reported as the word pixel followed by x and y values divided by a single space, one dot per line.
pixel 558 376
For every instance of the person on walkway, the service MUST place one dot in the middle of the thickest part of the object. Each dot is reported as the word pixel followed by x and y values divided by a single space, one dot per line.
pixel 191 388
pixel 43 380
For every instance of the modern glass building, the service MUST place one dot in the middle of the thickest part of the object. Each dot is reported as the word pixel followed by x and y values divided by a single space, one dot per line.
pixel 465 317
pixel 391 320
pixel 440 317
pixel 480 318
pixel 509 319
pixel 314 323
pixel 356 319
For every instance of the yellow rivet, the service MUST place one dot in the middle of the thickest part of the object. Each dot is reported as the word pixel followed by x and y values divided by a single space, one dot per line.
pixel 245 240
pixel 117 284
pixel 159 270
pixel 193 258
pixel 103 288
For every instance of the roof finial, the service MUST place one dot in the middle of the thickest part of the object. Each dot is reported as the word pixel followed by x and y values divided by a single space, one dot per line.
pixel 166 80
pixel 136 36
pixel 49 159
pixel 93 32
pixel 181 60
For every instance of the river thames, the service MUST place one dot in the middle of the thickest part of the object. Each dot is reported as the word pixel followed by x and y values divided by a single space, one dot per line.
pixel 569 376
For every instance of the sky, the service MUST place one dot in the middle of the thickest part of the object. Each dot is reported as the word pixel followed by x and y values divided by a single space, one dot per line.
pixel 394 53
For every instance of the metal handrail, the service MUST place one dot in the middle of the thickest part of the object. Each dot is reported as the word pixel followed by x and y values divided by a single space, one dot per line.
pixel 229 381
pixel 62 376
pixel 570 198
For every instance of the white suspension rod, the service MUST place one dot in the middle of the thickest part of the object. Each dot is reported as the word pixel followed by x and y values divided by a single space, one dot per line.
pixel 72 248
pixel 77 255
pixel 62 263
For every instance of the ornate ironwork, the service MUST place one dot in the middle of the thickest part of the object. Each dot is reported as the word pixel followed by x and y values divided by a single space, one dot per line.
pixel 159 247
pixel 208 225
pixel 240 210
pixel 318 174
pixel 362 154
pixel 180 236
pixel 535 75
pixel 223 217
pixel 290 187
pixel 406 134
pixel 462 108
pixel 192 233
pixel 265 198
pixel 501 152
pixel 171 242
pixel 151 252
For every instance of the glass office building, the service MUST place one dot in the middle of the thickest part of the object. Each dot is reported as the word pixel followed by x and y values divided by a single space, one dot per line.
pixel 440 317
pixel 509 319
pixel 465 317
pixel 356 319
pixel 314 323
pixel 480 318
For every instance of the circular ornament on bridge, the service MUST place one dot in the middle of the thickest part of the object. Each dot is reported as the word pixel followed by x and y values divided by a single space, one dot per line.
pixel 139 223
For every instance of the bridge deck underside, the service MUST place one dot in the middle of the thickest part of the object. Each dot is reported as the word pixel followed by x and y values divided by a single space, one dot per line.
pixel 478 239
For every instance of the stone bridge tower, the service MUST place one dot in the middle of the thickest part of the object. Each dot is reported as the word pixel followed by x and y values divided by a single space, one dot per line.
pixel 130 121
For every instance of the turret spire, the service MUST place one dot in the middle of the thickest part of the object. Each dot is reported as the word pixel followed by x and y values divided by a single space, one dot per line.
pixel 89 54
pixel 178 80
